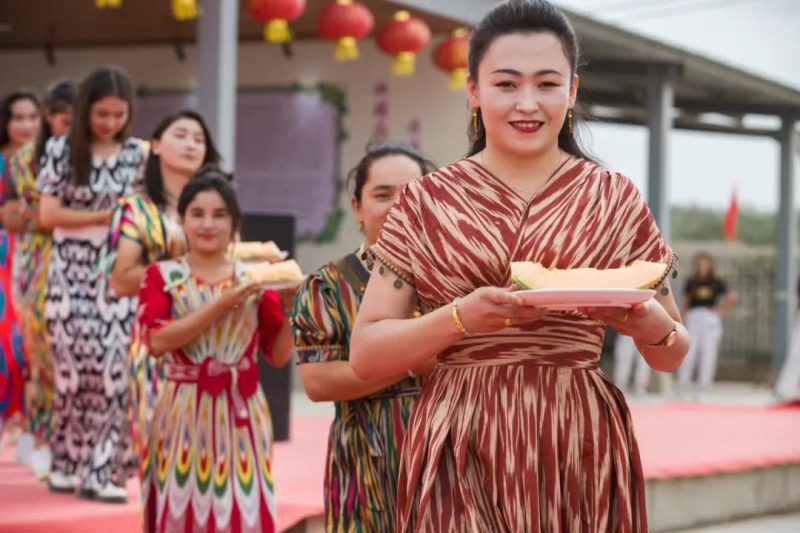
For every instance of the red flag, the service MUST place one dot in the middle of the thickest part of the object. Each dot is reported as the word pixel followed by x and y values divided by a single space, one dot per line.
pixel 731 216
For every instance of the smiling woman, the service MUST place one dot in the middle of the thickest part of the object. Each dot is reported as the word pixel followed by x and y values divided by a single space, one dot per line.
pixel 516 428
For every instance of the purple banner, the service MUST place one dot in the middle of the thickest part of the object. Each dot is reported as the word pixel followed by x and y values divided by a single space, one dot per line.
pixel 286 151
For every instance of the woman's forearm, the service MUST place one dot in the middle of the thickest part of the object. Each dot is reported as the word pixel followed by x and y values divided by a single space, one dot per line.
pixel 391 347
pixel 668 358
pixel 64 217
pixel 335 381
pixel 283 346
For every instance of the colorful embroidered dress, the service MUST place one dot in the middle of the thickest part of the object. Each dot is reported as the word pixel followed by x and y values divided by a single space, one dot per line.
pixel 12 356
pixel 161 237
pixel 367 434
pixel 31 256
pixel 210 445
pixel 519 430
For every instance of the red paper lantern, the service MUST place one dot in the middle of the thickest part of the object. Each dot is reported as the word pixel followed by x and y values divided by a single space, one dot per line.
pixel 345 22
pixel 276 15
pixel 403 37
pixel 452 56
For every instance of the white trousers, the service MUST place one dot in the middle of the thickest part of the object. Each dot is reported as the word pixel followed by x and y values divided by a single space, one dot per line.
pixel 627 361
pixel 705 331
pixel 789 379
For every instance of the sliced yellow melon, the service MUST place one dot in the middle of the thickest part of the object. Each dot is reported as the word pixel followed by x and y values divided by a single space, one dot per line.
pixel 283 272
pixel 637 275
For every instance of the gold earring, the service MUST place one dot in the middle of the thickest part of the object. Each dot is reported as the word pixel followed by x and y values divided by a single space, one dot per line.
pixel 361 227
pixel 569 116
pixel 475 121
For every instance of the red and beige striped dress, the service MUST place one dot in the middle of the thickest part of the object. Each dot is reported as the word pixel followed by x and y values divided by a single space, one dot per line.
pixel 519 430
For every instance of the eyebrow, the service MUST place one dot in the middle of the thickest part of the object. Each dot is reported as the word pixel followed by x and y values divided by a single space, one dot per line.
pixel 382 187
pixel 518 73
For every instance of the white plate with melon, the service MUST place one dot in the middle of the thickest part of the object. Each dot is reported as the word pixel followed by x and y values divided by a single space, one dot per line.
pixel 586 287
pixel 276 276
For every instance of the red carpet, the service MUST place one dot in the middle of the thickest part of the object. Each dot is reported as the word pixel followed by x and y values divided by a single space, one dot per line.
pixel 675 440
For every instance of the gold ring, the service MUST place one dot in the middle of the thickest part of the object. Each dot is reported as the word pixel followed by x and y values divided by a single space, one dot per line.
pixel 507 322
pixel 624 317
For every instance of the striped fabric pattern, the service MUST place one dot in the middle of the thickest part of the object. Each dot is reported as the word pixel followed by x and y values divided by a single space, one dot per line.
pixel 366 435
pixel 519 430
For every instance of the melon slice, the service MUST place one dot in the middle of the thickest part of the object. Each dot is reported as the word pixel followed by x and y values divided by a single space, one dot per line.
pixel 637 275
pixel 283 272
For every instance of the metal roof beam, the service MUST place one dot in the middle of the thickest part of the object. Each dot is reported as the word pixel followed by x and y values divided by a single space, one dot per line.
pixel 636 98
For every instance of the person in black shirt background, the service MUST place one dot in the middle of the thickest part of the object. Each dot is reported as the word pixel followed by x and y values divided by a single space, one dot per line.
pixel 706 300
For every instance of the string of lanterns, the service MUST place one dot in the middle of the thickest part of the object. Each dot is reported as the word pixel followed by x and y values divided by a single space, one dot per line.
pixel 345 22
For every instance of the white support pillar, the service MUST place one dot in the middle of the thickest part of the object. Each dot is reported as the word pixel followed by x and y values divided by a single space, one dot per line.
pixel 660 105
pixel 786 267
pixel 217 42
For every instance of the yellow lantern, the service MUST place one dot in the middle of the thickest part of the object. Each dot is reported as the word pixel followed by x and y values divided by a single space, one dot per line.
pixel 184 10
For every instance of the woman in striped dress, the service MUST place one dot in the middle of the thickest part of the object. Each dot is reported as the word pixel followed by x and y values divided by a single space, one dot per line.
pixel 211 434
pixel 371 416
pixel 516 429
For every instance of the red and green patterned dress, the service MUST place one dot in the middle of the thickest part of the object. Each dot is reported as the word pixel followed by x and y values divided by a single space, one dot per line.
pixel 519 430
pixel 211 436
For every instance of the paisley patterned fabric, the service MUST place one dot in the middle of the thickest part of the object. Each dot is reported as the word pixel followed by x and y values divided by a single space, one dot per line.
pixel 88 329
pixel 208 466
pixel 519 430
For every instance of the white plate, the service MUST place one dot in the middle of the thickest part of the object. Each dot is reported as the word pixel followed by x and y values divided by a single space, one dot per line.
pixel 574 298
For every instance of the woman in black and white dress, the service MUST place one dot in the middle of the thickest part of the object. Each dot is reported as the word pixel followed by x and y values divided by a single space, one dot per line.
pixel 82 177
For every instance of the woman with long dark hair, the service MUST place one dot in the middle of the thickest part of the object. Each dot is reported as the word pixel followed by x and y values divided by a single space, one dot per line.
pixel 371 416
pixel 517 428
pixel 20 124
pixel 83 176
pixel 146 228
pixel 211 436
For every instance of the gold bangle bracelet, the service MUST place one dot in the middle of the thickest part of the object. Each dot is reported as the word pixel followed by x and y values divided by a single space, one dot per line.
pixel 457 318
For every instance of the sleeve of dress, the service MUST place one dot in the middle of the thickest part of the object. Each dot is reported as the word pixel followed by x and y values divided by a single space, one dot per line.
pixel 400 235
pixel 270 320
pixel 317 324
pixel 155 304
pixel 127 223
pixel 52 177
pixel 647 244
